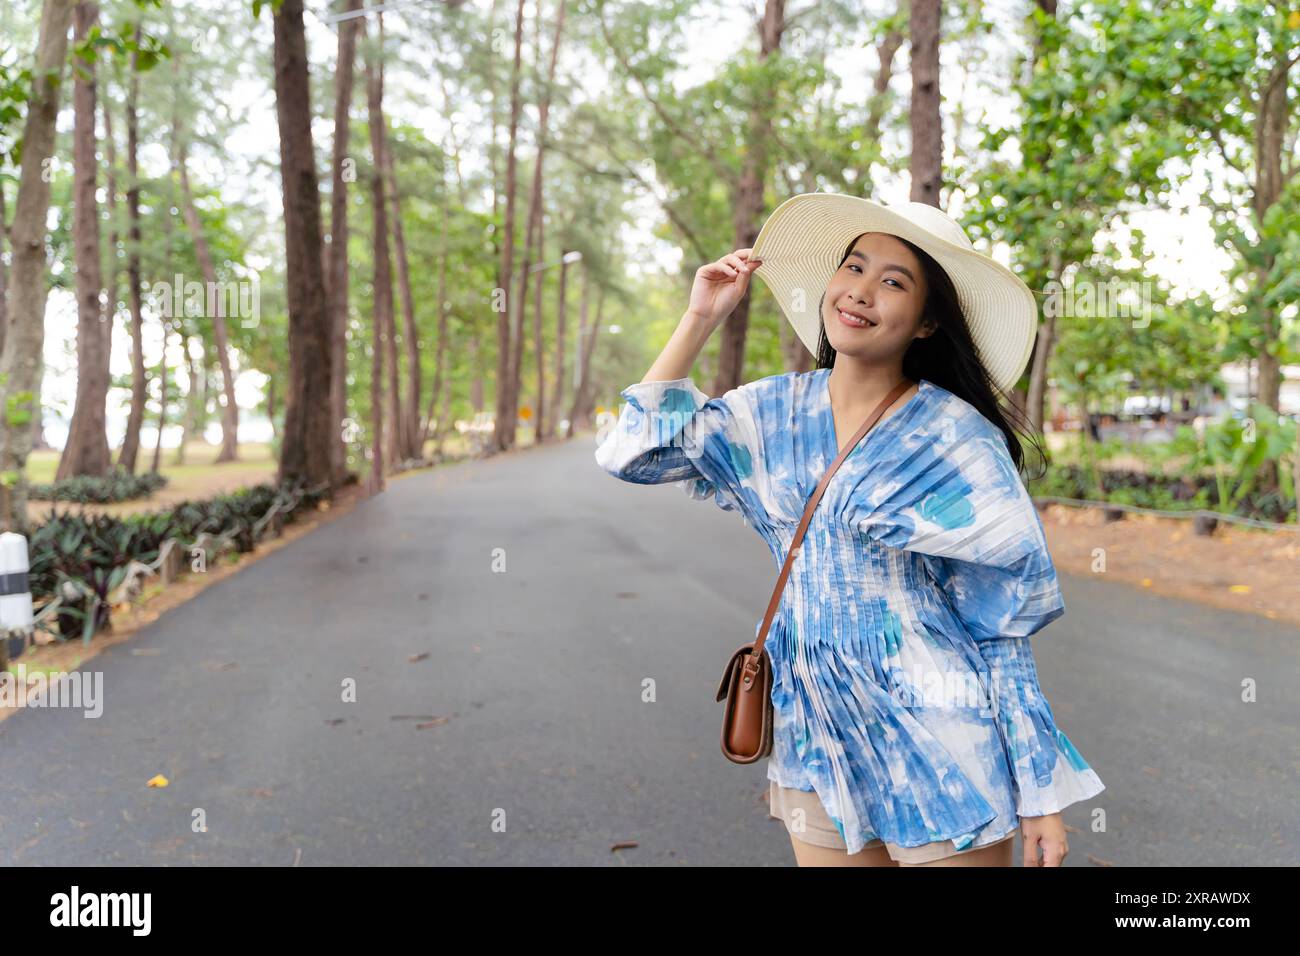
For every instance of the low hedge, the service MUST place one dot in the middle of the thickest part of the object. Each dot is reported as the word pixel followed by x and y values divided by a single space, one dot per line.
pixel 97 549
pixel 1143 490
pixel 118 485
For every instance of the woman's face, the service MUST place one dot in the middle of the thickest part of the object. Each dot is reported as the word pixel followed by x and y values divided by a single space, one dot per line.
pixel 881 281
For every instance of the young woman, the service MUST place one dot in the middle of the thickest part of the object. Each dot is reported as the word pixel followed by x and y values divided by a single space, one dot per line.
pixel 909 725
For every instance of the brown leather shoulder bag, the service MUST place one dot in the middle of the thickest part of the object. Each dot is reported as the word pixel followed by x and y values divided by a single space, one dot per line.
pixel 747 681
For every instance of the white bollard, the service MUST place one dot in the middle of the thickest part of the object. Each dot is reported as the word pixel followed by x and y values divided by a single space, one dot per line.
pixel 15 592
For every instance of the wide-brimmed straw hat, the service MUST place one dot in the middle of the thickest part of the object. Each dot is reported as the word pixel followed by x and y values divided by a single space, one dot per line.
pixel 801 243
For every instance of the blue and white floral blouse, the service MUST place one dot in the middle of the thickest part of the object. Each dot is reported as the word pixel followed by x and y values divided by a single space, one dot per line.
pixel 904 688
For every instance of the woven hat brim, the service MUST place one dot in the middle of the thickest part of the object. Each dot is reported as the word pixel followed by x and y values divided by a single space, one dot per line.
pixel 802 241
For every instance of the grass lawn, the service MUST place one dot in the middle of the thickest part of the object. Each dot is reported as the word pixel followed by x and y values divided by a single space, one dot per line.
pixel 197 478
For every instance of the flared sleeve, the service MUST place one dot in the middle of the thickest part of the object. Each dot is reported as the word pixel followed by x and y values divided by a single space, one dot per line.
pixel 952 493
pixel 670 431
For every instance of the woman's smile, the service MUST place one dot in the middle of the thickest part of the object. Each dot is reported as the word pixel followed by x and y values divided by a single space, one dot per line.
pixel 854 321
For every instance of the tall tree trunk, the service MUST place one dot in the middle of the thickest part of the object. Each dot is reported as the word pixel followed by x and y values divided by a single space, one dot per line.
pixel 4 266
pixel 582 353
pixel 205 387
pixel 584 397
pixel 507 404
pixel 162 399
pixel 539 417
pixel 476 389
pixel 215 301
pixel 270 405
pixel 38 432
pixel 748 205
pixel 927 123
pixel 441 357
pixel 1045 338
pixel 1270 145
pixel 549 425
pixel 309 427
pixel 38 428
pixel 886 50
pixel 111 285
pixel 1044 341
pixel 539 313
pixel 444 415
pixel 20 361
pixel 375 482
pixel 190 423
pixel 86 451
pixel 477 398
pixel 338 247
pixel 139 374
pixel 169 242
pixel 383 293
pixel 412 447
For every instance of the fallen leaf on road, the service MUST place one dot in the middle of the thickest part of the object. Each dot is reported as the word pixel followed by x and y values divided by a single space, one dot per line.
pixel 623 845
pixel 263 792
pixel 432 723
pixel 157 781
pixel 416 658
pixel 335 721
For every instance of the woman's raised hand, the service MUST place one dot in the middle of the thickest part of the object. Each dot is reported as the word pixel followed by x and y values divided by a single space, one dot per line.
pixel 719 286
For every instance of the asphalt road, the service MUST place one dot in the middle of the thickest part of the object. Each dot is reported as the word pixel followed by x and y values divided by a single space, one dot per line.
pixel 545 593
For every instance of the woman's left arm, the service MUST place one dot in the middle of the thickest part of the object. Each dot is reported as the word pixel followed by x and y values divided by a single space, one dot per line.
pixel 973 519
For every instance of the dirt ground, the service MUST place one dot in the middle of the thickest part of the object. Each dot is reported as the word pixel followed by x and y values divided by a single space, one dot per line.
pixel 1237 567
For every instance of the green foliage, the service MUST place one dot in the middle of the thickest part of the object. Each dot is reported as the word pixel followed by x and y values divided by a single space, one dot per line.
pixel 96 550
pixel 1236 451
pixel 1119 100
pixel 1161 492
pixel 258 5
pixel 15 89
pixel 118 485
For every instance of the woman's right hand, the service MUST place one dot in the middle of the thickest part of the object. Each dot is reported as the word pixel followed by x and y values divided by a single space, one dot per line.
pixel 719 286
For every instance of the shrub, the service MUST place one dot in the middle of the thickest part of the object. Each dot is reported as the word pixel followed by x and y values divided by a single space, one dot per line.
pixel 96 550
pixel 118 485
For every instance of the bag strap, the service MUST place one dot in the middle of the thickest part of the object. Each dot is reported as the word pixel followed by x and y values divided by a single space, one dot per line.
pixel 752 663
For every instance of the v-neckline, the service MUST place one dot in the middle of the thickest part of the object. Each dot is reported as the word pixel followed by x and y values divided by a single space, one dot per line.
pixel 921 384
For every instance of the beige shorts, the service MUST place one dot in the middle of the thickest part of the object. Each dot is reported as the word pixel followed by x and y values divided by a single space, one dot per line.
pixel 820 830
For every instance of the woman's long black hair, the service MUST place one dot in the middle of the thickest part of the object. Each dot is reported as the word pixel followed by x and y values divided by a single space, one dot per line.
pixel 948 358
